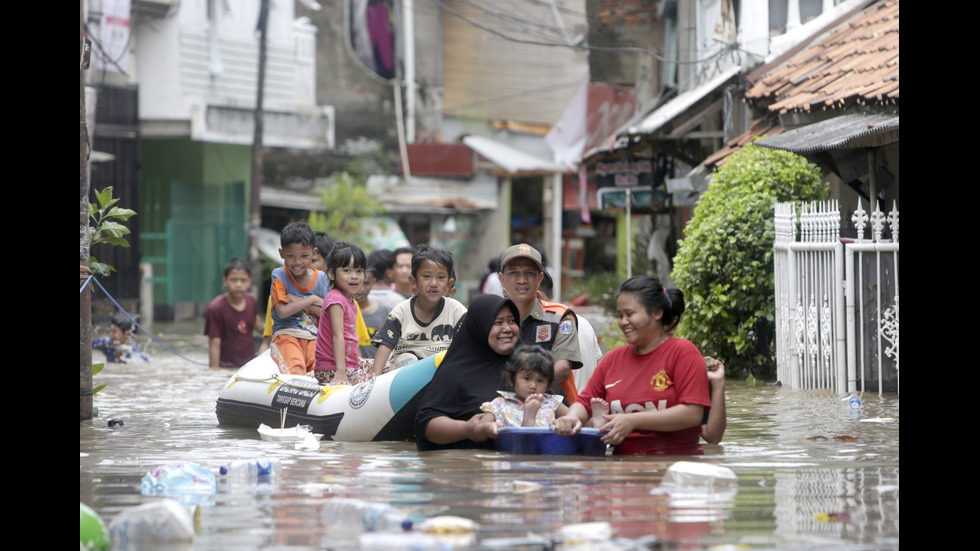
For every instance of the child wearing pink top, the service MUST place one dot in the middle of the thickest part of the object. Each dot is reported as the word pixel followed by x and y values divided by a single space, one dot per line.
pixel 337 340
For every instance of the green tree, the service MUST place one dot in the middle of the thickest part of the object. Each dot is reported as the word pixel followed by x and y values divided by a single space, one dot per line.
pixel 348 206
pixel 725 262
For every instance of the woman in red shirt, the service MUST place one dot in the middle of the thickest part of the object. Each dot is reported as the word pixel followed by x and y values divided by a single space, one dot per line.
pixel 649 395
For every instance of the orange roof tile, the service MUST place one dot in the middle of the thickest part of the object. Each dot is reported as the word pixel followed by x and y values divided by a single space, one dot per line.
pixel 857 63
pixel 758 128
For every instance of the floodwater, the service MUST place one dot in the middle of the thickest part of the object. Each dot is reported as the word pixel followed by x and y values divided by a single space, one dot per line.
pixel 810 475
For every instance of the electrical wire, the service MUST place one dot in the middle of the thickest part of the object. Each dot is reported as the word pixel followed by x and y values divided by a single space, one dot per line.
pixel 580 47
pixel 135 323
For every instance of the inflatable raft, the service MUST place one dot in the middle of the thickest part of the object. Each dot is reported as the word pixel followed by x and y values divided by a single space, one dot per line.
pixel 382 408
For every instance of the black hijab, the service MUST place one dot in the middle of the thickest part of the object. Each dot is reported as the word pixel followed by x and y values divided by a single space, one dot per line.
pixel 471 372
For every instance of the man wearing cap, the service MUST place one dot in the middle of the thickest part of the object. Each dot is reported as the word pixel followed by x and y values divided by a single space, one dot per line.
pixel 549 324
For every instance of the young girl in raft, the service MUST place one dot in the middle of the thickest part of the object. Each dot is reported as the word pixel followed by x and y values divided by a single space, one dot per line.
pixel 337 340
pixel 529 372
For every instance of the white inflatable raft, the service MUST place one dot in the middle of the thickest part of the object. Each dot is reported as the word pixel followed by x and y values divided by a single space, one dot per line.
pixel 382 408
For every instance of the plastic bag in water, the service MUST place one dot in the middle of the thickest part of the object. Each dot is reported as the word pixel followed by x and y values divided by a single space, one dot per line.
pixel 160 521
pixel 187 481
pixel 408 541
pixel 690 475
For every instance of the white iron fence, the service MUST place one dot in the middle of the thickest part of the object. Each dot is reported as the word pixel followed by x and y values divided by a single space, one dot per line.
pixel 836 299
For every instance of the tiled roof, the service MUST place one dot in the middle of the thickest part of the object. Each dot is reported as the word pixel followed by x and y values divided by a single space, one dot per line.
pixel 758 128
pixel 857 63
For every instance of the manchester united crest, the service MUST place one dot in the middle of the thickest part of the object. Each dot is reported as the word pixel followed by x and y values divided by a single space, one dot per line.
pixel 660 382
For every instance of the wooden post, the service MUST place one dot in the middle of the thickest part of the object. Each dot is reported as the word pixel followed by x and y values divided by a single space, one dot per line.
pixel 257 166
pixel 85 300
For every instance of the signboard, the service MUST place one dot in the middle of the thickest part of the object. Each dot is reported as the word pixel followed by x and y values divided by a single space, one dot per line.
pixel 641 198
pixel 630 172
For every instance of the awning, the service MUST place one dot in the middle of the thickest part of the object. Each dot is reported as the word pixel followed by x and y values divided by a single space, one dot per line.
pixel 852 131
pixel 288 199
pixel 655 120
pixel 511 160
pixel 434 195
pixel 677 106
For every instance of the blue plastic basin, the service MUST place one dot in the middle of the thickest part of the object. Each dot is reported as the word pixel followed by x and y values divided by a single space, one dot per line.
pixel 544 441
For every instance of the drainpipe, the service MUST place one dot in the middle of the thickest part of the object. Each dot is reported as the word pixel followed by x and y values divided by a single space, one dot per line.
pixel 872 181
pixel 557 201
pixel 255 221
pixel 400 128
pixel 408 15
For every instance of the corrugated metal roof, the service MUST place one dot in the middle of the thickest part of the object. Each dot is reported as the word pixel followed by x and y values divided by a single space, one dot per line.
pixel 855 64
pixel 653 121
pixel 431 195
pixel 511 160
pixel 846 131
pixel 677 106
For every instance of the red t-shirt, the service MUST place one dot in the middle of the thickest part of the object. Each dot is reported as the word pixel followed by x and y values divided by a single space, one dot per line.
pixel 234 328
pixel 673 373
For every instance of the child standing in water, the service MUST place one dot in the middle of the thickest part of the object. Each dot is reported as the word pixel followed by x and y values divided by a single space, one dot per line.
pixel 117 347
pixel 337 359
pixel 530 371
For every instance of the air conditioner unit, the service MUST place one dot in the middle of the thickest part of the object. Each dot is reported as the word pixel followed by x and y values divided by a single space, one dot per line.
pixel 154 8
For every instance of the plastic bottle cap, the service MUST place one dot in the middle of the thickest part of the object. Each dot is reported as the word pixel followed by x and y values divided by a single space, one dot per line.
pixel 223 470
pixel 407 525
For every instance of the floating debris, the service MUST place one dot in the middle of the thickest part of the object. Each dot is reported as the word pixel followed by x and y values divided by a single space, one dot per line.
pixel 844 516
pixel 836 437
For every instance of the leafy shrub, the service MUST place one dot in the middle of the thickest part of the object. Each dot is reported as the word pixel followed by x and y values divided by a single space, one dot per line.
pixel 349 204
pixel 725 263
pixel 105 229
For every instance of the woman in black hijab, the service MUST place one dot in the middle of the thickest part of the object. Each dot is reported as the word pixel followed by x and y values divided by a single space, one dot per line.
pixel 471 373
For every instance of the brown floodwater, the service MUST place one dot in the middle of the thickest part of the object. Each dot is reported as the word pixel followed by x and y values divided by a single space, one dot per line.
pixel 810 475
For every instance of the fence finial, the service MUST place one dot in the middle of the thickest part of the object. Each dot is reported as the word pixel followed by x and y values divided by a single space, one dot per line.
pixel 860 218
pixel 893 221
pixel 877 223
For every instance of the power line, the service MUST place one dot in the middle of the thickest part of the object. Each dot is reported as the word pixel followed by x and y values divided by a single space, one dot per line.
pixel 579 47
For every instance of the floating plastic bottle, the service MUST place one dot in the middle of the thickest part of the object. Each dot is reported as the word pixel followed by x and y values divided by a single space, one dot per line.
pixel 343 514
pixel 160 521
pixel 853 406
pixel 261 470
pixel 187 481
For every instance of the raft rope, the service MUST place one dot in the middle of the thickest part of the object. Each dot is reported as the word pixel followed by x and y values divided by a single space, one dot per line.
pixel 121 309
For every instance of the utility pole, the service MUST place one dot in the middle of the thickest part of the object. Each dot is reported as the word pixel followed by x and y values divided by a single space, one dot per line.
pixel 84 261
pixel 255 204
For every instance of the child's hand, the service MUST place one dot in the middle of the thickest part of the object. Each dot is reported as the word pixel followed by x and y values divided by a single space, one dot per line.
pixel 716 372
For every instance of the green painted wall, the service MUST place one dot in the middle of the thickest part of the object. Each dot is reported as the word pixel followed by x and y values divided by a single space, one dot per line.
pixel 195 204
